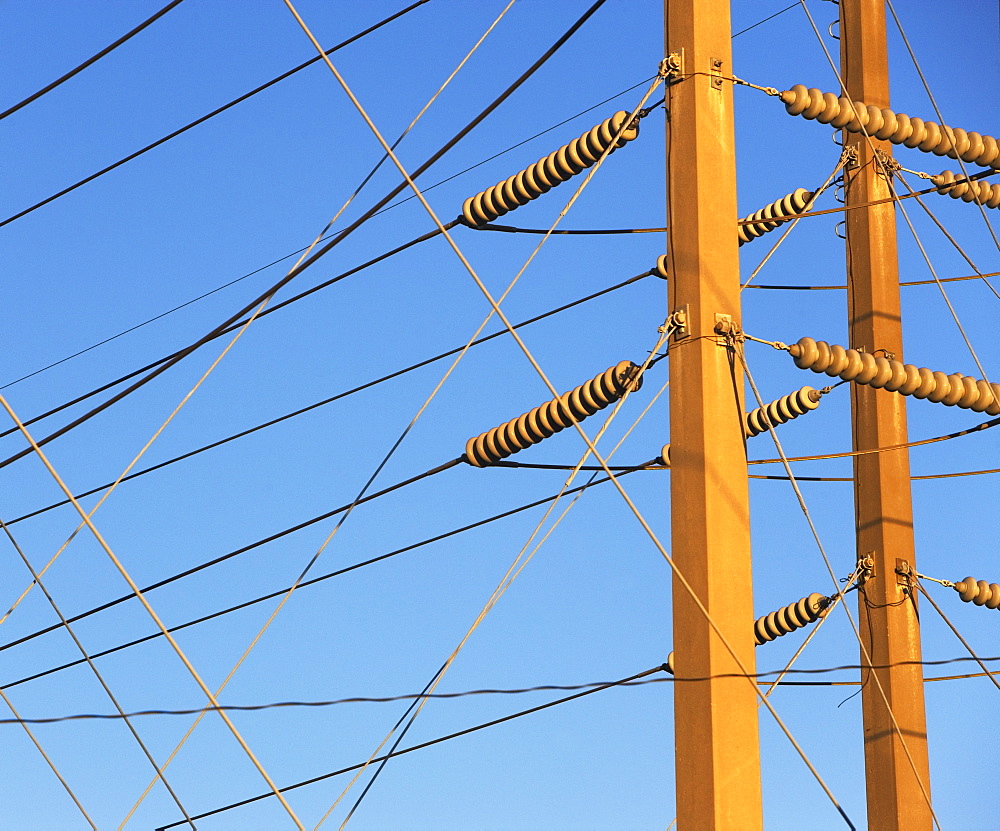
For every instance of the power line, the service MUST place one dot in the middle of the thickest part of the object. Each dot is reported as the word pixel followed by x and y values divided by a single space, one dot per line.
pixel 271 595
pixel 422 745
pixel 205 118
pixel 106 50
pixel 342 235
pixel 337 397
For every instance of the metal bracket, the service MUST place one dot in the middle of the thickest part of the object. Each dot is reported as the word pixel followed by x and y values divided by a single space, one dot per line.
pixel 849 157
pixel 887 165
pixel 866 567
pixel 672 67
pixel 716 73
pixel 678 320
pixel 903 573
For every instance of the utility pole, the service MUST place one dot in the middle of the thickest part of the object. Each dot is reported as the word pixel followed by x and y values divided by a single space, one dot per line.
pixel 896 781
pixel 717 749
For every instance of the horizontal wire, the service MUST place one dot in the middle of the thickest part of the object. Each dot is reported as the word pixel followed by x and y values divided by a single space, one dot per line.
pixel 205 118
pixel 337 397
pixel 300 250
pixel 622 682
pixel 271 595
pixel 91 60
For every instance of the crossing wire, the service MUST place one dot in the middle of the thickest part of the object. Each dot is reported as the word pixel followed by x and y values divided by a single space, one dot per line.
pixel 88 659
pixel 205 118
pixel 339 396
pixel 91 60
pixel 342 235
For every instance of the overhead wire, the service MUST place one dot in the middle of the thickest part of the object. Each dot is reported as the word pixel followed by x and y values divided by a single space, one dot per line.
pixel 91 60
pixel 88 659
pixel 149 609
pixel 337 239
pixel 343 234
pixel 206 117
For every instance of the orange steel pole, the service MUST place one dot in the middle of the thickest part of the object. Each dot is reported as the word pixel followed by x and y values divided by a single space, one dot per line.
pixel 883 511
pixel 717 753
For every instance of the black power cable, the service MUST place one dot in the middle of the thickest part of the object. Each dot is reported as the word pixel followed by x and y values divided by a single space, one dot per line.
pixel 295 272
pixel 107 49
pixel 422 745
pixel 270 595
pixel 205 118
pixel 341 395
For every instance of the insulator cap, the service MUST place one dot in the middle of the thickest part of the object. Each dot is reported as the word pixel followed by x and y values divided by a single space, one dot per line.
pixel 789 618
pixel 664 457
pixel 771 216
pixel 781 410
pixel 543 421
pixel 979 592
pixel 906 379
pixel 549 171
pixel 959 187
pixel 886 125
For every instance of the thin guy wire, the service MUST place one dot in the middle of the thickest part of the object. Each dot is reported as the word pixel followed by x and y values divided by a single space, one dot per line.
pixel 149 609
pixel 91 60
pixel 52 766
pixel 287 595
pixel 937 111
pixel 337 397
pixel 504 584
pixel 100 678
pixel 833 577
pixel 338 238
pixel 794 222
pixel 958 634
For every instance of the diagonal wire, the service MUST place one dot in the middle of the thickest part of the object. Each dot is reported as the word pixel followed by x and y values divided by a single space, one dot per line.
pixel 149 609
pixel 958 634
pixel 833 576
pixel 687 586
pixel 48 761
pixel 937 111
pixel 91 60
pixel 100 678
pixel 512 573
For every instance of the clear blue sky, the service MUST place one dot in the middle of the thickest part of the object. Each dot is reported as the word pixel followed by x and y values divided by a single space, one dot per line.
pixel 259 182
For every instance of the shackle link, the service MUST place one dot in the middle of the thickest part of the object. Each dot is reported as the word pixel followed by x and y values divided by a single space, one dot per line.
pixel 906 379
pixel 968 190
pixel 548 171
pixel 547 419
pixel 789 618
pixel 771 216
pixel 979 592
pixel 887 125
pixel 781 410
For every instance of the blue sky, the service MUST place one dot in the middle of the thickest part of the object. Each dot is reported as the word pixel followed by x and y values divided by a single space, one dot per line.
pixel 259 182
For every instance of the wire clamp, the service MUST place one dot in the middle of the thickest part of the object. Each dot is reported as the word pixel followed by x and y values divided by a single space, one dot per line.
pixel 678 321
pixel 866 567
pixel 904 574
pixel 672 67
pixel 888 167
pixel 849 157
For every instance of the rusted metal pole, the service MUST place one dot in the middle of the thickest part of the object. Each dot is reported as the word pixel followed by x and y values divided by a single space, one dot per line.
pixel 716 737
pixel 889 624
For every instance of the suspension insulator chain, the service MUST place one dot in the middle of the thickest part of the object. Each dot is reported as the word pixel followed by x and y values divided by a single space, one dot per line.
pixel 886 125
pixel 547 419
pixel 958 187
pixel 781 410
pixel 789 618
pixel 549 171
pixel 979 592
pixel 771 216
pixel 906 379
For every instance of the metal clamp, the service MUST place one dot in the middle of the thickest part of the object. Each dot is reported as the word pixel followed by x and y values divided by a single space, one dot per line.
pixel 866 567
pixel 678 320
pixel 672 67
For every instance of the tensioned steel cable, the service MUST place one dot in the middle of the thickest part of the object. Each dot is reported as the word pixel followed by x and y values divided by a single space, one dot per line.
pixel 300 250
pixel 98 537
pixel 205 118
pixel 91 60
pixel 88 659
pixel 342 235
pixel 422 745
pixel 339 396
